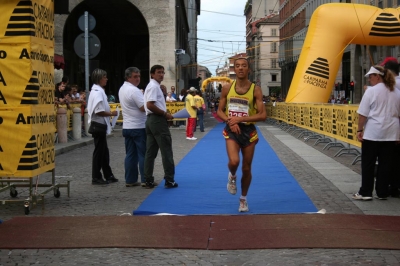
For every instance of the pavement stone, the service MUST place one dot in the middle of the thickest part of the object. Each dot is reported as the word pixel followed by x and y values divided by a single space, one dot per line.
pixel 318 172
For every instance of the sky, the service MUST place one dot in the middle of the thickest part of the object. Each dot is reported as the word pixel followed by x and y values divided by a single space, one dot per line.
pixel 221 32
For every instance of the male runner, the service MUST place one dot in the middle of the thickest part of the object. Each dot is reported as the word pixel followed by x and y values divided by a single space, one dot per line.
pixel 240 106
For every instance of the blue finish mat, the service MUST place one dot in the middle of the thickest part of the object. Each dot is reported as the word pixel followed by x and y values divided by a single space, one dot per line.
pixel 202 177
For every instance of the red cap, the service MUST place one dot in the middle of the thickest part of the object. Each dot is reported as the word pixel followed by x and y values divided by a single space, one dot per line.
pixel 387 59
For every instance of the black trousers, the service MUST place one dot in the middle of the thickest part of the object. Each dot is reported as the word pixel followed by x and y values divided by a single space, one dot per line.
pixel 383 151
pixel 101 157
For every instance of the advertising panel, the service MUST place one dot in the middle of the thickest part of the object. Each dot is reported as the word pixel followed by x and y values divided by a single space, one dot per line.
pixel 27 21
pixel 26 74
pixel 27 140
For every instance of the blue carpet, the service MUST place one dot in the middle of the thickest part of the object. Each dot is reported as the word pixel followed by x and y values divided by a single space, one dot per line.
pixel 202 176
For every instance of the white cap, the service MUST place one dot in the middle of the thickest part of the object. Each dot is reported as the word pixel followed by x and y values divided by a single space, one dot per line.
pixel 192 89
pixel 373 70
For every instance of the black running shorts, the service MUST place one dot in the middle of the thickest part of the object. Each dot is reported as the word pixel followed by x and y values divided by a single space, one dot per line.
pixel 247 136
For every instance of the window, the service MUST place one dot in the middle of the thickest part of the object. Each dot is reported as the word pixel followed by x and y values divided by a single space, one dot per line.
pixel 273 77
pixel 273 47
pixel 273 63
pixel 273 32
pixel 380 4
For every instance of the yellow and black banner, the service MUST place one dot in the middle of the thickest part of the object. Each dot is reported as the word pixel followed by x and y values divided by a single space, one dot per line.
pixel 27 116
pixel 25 21
pixel 27 140
pixel 26 52
pixel 26 74
pixel 336 121
pixel 175 107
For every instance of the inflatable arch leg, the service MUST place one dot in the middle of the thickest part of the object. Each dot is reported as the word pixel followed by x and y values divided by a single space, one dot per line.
pixel 332 28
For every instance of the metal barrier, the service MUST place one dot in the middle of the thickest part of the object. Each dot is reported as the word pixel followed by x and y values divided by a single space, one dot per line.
pixel 171 108
pixel 320 121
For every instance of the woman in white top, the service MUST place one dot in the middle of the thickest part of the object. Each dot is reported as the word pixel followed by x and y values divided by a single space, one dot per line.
pixel 99 115
pixel 378 130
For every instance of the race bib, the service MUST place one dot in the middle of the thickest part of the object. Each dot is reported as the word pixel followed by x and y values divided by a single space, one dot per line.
pixel 238 107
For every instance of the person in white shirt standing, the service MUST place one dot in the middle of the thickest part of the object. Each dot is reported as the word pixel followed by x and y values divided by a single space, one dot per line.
pixel 157 131
pixel 378 130
pixel 392 64
pixel 133 127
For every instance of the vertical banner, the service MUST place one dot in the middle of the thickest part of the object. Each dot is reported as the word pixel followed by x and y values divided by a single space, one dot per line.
pixel 27 87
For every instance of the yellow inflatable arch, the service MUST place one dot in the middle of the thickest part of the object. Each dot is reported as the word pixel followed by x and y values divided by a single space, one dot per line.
pixel 332 28
pixel 206 81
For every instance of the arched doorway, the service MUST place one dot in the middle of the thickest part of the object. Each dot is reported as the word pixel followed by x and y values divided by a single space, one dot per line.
pixel 124 37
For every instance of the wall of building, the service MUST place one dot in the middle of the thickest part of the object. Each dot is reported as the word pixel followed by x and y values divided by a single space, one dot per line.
pixel 161 19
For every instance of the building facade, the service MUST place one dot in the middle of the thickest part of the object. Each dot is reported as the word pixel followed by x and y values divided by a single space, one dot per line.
pixel 130 33
pixel 267 73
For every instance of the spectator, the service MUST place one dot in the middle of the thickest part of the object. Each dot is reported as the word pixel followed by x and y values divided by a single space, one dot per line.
pixel 158 134
pixel 170 98
pixel 74 93
pixel 60 94
pixel 392 64
pixel 378 130
pixel 191 107
pixel 99 115
pixel 182 95
pixel 173 92
pixel 133 129
pixel 201 107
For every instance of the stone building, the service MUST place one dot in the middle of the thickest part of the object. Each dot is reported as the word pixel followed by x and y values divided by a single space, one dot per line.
pixel 130 33
pixel 267 73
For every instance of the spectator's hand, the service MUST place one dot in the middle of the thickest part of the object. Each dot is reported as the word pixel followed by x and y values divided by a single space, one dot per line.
pixel 168 116
pixel 114 113
pixel 360 136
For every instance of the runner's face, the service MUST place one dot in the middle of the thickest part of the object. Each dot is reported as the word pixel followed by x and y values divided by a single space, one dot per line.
pixel 241 68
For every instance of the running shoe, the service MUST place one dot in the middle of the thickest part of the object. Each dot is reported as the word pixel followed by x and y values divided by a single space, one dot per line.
pixel 231 186
pixel 243 206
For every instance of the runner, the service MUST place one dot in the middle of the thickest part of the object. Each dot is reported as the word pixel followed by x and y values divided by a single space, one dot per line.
pixel 240 106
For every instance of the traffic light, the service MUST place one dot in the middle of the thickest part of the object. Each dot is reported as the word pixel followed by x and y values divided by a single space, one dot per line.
pixel 336 86
pixel 351 85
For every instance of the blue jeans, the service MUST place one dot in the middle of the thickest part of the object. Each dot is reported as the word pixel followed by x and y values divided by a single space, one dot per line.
pixel 200 116
pixel 135 147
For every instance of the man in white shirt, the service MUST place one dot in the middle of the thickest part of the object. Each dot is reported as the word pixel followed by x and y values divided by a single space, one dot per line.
pixel 158 134
pixel 133 128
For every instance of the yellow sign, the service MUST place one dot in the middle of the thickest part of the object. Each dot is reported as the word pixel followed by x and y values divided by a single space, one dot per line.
pixel 27 21
pixel 27 140
pixel 318 65
pixel 174 107
pixel 26 74
pixel 336 121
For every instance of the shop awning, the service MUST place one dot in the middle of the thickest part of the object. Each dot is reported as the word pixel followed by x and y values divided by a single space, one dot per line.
pixel 59 61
